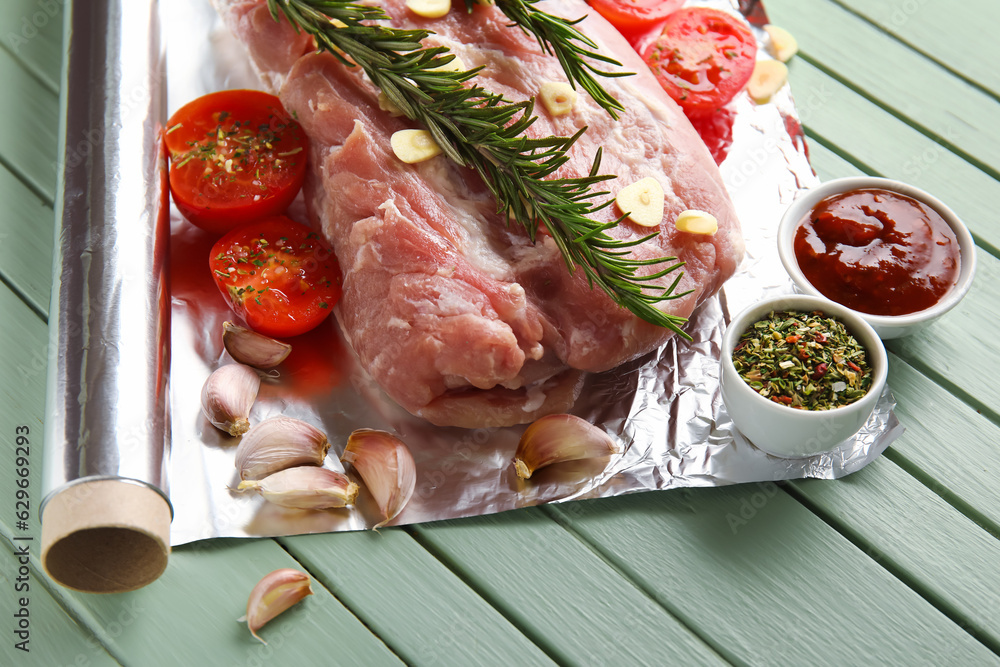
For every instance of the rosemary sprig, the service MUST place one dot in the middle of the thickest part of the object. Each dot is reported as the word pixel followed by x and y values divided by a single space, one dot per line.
pixel 486 132
pixel 558 36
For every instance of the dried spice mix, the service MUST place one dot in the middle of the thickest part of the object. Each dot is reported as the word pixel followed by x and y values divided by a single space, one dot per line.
pixel 803 360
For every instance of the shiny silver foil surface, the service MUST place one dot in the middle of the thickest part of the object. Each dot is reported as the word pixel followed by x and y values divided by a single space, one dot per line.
pixel 106 413
pixel 665 409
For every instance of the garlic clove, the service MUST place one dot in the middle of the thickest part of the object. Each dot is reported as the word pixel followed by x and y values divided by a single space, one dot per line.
pixel 557 438
pixel 387 468
pixel 227 396
pixel 454 65
pixel 273 594
pixel 412 146
pixel 385 104
pixel 781 43
pixel 767 78
pixel 696 222
pixel 279 443
pixel 253 349
pixel 305 487
pixel 557 97
pixel 430 9
pixel 642 202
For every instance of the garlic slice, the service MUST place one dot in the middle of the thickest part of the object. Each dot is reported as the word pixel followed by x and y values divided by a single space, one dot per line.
pixel 781 43
pixel 253 349
pixel 305 487
pixel 429 9
pixel 272 595
pixel 557 438
pixel 558 97
pixel 279 443
pixel 642 202
pixel 412 146
pixel 768 77
pixel 697 222
pixel 387 468
pixel 227 396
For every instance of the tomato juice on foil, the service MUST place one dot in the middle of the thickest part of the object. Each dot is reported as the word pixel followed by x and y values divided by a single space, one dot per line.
pixel 665 409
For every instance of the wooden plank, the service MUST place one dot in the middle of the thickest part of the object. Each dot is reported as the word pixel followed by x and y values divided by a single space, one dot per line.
pixel 957 35
pixel 29 133
pixel 957 348
pixel 188 615
pixel 957 113
pixel 919 538
pixel 424 612
pixel 884 146
pixel 766 581
pixel 560 593
pixel 26 229
pixel 949 445
pixel 52 638
pixel 31 31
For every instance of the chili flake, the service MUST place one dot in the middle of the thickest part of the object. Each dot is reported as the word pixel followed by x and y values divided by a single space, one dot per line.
pixel 804 360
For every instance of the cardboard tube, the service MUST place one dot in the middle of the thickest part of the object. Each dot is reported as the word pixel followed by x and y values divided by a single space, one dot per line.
pixel 106 535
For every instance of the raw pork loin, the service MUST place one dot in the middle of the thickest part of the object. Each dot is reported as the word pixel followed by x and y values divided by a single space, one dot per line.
pixel 457 315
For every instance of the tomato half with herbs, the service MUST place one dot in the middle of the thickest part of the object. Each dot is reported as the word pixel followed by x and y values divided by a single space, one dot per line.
pixel 702 58
pixel 633 15
pixel 235 156
pixel 278 275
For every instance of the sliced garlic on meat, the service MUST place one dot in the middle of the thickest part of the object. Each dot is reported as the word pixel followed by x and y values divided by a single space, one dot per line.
pixel 455 65
pixel 385 104
pixel 429 9
pixel 697 222
pixel 768 77
pixel 782 45
pixel 558 97
pixel 413 146
pixel 642 202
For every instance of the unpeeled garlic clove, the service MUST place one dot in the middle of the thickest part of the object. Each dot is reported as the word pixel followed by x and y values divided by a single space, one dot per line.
pixel 227 396
pixel 272 595
pixel 386 466
pixel 556 438
pixel 305 487
pixel 253 349
pixel 279 443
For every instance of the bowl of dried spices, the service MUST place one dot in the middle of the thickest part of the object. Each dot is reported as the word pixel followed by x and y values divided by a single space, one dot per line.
pixel 801 374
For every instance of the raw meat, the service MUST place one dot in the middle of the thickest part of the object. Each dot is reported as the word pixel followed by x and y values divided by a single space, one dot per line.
pixel 457 315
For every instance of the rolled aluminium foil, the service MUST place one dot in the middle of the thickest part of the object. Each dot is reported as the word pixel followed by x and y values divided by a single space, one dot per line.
pixel 106 513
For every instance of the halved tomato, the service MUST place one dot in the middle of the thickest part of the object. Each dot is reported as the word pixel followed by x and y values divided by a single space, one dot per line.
pixel 235 156
pixel 633 15
pixel 278 275
pixel 702 58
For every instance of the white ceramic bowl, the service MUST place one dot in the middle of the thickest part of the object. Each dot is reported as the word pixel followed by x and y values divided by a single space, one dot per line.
pixel 887 326
pixel 791 432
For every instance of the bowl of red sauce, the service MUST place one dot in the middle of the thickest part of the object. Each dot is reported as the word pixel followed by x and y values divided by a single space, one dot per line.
pixel 889 251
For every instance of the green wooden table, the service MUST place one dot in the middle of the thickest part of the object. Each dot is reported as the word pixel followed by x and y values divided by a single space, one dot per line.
pixel 896 564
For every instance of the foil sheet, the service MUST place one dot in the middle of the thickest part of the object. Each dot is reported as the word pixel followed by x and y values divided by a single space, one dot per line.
pixel 665 409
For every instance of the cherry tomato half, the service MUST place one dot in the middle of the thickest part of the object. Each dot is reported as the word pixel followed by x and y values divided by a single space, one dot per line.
pixel 703 58
pixel 235 156
pixel 278 275
pixel 633 15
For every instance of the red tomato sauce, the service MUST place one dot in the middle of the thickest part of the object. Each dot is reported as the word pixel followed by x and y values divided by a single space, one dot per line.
pixel 877 252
